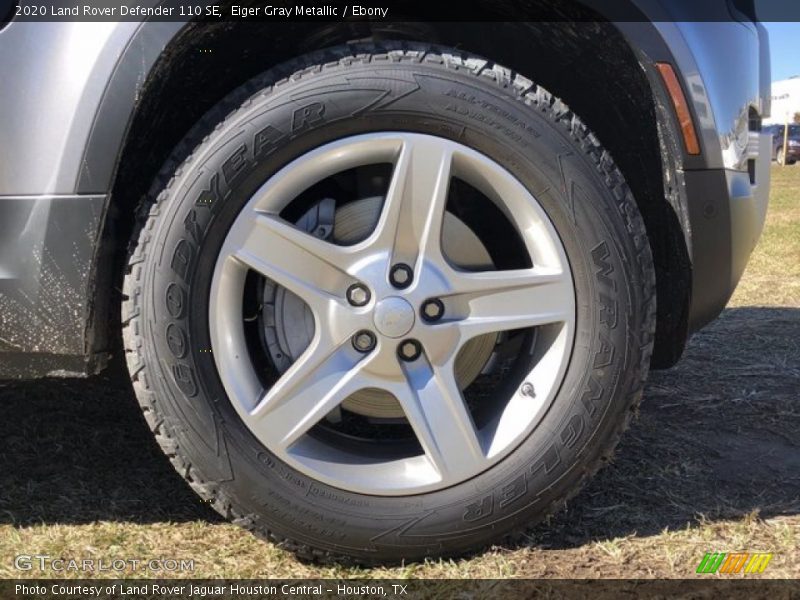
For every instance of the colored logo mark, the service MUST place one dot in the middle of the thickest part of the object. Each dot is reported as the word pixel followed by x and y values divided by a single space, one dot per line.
pixel 734 562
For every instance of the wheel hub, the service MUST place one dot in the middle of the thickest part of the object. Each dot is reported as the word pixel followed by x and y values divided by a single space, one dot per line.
pixel 288 322
pixel 394 317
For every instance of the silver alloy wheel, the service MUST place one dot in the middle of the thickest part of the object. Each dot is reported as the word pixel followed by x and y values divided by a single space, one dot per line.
pixel 331 368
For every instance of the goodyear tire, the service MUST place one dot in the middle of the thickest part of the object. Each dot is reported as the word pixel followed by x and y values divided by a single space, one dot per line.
pixel 492 119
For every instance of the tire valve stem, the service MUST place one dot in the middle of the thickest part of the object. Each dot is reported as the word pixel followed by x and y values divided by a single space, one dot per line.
pixel 527 389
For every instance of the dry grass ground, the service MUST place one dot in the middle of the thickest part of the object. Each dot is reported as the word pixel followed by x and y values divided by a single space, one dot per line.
pixel 711 464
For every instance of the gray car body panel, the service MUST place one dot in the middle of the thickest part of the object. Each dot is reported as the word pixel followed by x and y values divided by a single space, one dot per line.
pixel 47 247
pixel 50 104
pixel 67 113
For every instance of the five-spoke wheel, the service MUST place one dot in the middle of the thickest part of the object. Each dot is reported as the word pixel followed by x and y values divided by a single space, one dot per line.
pixel 392 313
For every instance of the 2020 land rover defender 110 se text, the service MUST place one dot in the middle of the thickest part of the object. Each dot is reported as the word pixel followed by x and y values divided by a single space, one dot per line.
pixel 383 292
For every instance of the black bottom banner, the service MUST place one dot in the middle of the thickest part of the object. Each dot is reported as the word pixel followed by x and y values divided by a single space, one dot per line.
pixel 462 589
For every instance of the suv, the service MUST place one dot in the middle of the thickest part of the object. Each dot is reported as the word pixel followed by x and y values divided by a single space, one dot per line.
pixel 384 290
pixel 791 153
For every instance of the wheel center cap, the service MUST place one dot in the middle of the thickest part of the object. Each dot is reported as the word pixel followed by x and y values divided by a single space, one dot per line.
pixel 394 317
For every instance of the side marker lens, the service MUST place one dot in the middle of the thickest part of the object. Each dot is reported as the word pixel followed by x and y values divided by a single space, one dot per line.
pixel 681 107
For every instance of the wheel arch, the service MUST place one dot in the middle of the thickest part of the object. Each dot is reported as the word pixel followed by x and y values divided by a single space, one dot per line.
pixel 155 97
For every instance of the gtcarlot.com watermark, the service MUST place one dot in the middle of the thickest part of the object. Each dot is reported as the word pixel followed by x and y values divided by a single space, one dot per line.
pixel 44 562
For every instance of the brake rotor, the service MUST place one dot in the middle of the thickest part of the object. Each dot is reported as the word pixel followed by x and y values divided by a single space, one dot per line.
pixel 289 323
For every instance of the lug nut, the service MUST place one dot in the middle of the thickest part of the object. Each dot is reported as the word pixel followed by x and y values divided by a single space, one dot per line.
pixel 401 275
pixel 409 350
pixel 364 341
pixel 358 294
pixel 432 310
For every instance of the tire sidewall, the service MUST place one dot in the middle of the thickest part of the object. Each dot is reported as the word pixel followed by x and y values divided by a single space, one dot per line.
pixel 559 164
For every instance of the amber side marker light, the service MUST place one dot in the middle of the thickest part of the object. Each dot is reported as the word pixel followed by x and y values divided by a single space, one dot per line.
pixel 681 107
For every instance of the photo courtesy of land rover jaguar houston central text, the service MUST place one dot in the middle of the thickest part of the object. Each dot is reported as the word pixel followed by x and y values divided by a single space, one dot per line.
pixel 385 289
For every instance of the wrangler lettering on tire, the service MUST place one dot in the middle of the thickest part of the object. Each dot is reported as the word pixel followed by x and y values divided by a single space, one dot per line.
pixel 494 348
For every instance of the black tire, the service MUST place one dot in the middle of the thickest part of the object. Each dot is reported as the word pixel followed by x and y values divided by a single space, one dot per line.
pixel 432 90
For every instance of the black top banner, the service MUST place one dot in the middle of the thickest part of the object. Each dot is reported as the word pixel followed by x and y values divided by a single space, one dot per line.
pixel 400 10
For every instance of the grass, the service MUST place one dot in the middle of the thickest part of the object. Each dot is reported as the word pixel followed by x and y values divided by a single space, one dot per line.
pixel 711 464
pixel 773 273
